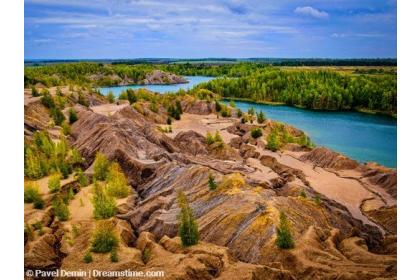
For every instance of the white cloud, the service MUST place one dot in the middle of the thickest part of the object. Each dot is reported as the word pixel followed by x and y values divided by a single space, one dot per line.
pixel 310 11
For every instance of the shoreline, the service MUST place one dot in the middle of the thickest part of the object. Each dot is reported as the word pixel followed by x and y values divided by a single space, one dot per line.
pixel 275 103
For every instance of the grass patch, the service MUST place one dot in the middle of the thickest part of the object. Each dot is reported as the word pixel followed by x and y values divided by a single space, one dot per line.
pixel 104 205
pixel 104 238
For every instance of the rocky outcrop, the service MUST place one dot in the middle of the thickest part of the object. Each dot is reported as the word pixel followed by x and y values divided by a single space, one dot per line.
pixel 37 116
pixel 158 77
pixel 382 176
pixel 191 142
pixel 198 107
pixel 326 158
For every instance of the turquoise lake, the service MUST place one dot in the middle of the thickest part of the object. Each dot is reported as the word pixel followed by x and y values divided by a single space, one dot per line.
pixel 192 81
pixel 360 136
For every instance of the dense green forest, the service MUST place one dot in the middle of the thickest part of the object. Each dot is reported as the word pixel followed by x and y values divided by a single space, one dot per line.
pixel 321 89
pixel 313 88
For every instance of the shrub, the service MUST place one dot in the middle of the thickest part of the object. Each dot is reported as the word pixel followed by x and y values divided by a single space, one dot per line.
pixel 211 182
pixel 117 184
pixel 34 92
pixel 261 117
pixel 31 192
pixel 75 157
pixel 284 236
pixel 38 203
pixel 154 107
pixel 251 111
pixel 225 112
pixel 188 228
pixel 114 255
pixel 239 113
pixel 302 194
pixel 73 116
pixel 87 258
pixel 256 132
pixel 82 179
pixel 123 96
pixel 169 121
pixel 217 137
pixel 54 184
pixel 232 104
pixel 243 120
pixel 273 142
pixel 61 211
pixel 145 256
pixel 209 138
pixel 66 128
pixel 131 96
pixel 33 166
pixel 318 200
pixel 104 238
pixel 100 166
pixel 57 115
pixel 29 232
pixel 110 97
pixel 178 106
pixel 218 106
pixel 82 100
pixel 47 100
pixel 104 206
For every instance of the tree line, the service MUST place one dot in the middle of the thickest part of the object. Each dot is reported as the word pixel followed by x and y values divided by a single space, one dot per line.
pixel 320 89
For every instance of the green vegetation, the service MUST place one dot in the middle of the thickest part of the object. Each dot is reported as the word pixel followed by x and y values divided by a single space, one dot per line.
pixel 303 194
pixel 116 182
pixel 61 211
pixel 104 238
pixel 373 89
pixel 87 258
pixel 212 183
pixel 82 179
pixel 66 128
pixel 317 200
pixel 273 142
pixel 100 166
pixel 114 255
pixel 313 89
pixel 188 228
pixel 284 236
pixel 72 116
pixel 34 91
pixel 261 117
pixel 104 205
pixel 256 132
pixel 110 97
pixel 54 184
pixel 32 195
pixel 145 256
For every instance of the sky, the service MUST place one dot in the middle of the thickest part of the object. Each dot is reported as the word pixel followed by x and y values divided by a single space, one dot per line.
pixel 99 29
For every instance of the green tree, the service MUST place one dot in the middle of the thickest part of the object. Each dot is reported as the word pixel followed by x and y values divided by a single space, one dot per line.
pixel 104 205
pixel 273 141
pixel 54 184
pixel 261 117
pixel 188 228
pixel 256 133
pixel 110 97
pixel 104 238
pixel 284 236
pixel 116 182
pixel 61 211
pixel 100 166
pixel 72 116
pixel 211 182
pixel 34 91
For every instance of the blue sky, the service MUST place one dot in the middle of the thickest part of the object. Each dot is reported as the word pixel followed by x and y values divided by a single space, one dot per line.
pixel 72 29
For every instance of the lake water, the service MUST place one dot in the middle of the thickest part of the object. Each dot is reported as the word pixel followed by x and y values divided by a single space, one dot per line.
pixel 362 137
pixel 192 81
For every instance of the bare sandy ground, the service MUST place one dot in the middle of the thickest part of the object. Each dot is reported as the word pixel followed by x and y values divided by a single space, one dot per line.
pixel 203 124
pixel 345 187
pixel 108 109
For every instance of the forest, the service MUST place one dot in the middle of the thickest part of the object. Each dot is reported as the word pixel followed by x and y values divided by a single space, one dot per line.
pixel 321 88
